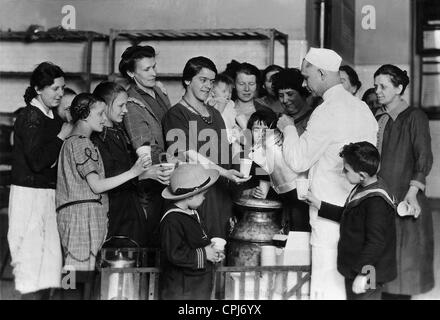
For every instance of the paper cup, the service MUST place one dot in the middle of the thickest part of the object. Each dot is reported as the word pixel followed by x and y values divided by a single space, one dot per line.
pixel 405 209
pixel 302 187
pixel 264 186
pixel 268 256
pixel 219 243
pixel 144 150
pixel 245 167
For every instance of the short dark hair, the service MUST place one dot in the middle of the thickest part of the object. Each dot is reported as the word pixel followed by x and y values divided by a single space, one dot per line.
pixel 133 54
pixel 268 117
pixel 352 76
pixel 224 78
pixel 108 91
pixel 42 76
pixel 69 92
pixel 367 93
pixel 289 79
pixel 397 75
pixel 193 67
pixel 81 105
pixel 361 156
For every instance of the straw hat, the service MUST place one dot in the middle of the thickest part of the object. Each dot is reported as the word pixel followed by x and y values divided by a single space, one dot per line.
pixel 188 180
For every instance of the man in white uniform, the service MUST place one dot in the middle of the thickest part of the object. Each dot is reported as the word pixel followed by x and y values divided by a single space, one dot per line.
pixel 339 120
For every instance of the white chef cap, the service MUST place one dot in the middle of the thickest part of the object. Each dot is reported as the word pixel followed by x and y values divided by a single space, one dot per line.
pixel 325 59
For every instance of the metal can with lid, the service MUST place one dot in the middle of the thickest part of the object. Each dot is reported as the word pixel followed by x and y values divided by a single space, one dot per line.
pixel 258 221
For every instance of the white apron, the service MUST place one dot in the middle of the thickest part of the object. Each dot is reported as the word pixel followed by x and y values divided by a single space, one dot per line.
pixel 33 239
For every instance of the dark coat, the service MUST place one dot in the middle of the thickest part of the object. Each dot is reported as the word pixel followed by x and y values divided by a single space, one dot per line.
pixel 186 273
pixel 367 233
pixel 126 215
pixel 406 156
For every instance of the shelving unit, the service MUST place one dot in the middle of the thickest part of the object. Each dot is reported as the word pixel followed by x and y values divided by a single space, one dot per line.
pixel 137 36
pixel 59 35
pixel 427 34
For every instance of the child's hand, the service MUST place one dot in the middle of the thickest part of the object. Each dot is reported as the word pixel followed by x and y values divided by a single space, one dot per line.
pixel 359 284
pixel 257 193
pixel 285 121
pixel 158 173
pixel 312 200
pixel 212 254
pixel 220 103
pixel 141 165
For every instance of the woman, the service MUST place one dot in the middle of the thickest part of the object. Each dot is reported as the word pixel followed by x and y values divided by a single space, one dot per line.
pixel 81 194
pixel 349 79
pixel 293 96
pixel 405 144
pixel 33 236
pixel 269 98
pixel 126 215
pixel 146 107
pixel 247 84
pixel 201 134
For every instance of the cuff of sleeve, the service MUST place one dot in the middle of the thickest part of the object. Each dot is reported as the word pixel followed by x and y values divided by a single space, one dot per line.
pixel 419 177
pixel 201 258
pixel 289 130
pixel 417 184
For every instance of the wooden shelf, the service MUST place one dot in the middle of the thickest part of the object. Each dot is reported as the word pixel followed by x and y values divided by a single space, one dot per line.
pixel 58 34
pixel 136 36
pixel 197 34
pixel 27 74
pixel 52 36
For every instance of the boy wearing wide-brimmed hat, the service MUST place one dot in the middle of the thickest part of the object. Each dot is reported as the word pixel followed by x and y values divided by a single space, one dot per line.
pixel 187 255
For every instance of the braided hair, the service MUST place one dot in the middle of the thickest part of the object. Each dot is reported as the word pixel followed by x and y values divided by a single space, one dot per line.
pixel 81 106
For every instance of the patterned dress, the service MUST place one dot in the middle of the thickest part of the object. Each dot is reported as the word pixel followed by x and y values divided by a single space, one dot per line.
pixel 82 214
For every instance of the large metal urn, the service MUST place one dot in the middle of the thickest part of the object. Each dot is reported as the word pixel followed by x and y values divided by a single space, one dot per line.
pixel 258 221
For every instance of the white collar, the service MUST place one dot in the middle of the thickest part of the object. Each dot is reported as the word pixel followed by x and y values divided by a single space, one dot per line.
pixel 36 103
pixel 333 91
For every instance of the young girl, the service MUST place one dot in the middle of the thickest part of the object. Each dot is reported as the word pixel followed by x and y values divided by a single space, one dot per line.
pixel 126 215
pixel 81 202
pixel 268 154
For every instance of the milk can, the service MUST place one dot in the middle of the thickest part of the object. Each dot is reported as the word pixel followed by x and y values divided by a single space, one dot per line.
pixel 120 283
pixel 258 221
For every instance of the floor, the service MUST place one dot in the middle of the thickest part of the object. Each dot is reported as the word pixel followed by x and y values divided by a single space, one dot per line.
pixel 7 291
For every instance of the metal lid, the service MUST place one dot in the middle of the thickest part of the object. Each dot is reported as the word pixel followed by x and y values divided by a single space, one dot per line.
pixel 251 202
pixel 119 261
